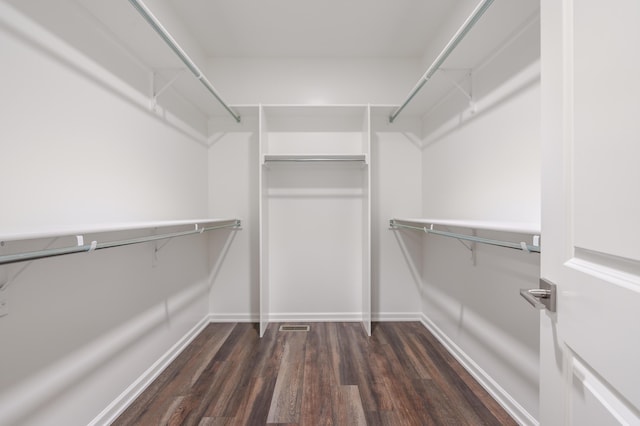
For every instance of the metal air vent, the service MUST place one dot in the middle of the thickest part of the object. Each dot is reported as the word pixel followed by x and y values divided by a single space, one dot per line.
pixel 295 328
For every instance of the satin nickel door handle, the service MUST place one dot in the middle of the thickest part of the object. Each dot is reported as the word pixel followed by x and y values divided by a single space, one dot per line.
pixel 533 296
pixel 541 298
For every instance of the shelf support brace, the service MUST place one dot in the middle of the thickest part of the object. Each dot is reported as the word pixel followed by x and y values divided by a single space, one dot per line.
pixel 468 94
pixel 467 246
pixel 157 90
pixel 4 274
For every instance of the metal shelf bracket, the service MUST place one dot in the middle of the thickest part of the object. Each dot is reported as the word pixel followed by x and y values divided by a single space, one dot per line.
pixel 157 88
pixel 457 83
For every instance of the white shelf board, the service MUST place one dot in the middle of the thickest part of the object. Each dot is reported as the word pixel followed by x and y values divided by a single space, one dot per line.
pixel 109 227
pixel 516 227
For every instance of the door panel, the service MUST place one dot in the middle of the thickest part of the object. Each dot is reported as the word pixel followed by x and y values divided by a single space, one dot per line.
pixel 592 403
pixel 590 211
pixel 606 130
pixel 600 321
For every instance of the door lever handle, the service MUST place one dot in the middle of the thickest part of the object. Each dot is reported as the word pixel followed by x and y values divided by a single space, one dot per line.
pixel 541 298
pixel 533 296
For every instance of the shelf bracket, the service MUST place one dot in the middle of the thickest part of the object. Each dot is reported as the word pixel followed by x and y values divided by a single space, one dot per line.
pixel 5 279
pixel 4 274
pixel 157 246
pixel 473 248
pixel 457 83
pixel 467 246
pixel 157 76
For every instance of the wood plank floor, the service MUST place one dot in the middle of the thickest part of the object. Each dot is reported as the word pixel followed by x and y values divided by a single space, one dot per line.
pixel 332 375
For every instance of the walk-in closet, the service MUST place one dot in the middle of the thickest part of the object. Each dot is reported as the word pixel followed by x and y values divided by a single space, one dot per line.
pixel 417 212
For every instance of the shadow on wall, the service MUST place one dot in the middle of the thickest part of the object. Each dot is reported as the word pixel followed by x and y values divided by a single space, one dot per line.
pixel 234 168
pixel 396 190
pixel 218 250
pixel 478 305
pixel 72 317
pixel 410 244
pixel 466 117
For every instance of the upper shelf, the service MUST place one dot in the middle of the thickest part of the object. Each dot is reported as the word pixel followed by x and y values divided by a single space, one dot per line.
pixel 515 227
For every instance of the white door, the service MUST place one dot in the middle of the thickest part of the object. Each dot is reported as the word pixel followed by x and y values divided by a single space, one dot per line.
pixel 590 348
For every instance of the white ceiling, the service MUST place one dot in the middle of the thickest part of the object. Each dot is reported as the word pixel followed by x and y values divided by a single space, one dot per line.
pixel 312 28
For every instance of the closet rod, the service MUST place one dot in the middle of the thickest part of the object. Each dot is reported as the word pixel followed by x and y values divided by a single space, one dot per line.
pixel 508 244
pixel 450 47
pixel 41 254
pixel 314 158
pixel 164 34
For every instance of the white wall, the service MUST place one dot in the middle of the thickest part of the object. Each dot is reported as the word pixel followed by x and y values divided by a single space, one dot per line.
pixel 486 166
pixel 77 149
pixel 397 192
pixel 233 192
pixel 315 242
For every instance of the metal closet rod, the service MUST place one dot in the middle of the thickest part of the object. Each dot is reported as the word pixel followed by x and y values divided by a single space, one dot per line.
pixel 450 47
pixel 314 158
pixel 508 244
pixel 164 34
pixel 42 254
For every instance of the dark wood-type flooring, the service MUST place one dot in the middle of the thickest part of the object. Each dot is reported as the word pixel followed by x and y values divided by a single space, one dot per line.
pixel 331 375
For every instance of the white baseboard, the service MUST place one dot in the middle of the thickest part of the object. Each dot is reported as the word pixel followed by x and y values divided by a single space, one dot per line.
pixel 234 317
pixel 117 407
pixel 316 317
pixel 396 316
pixel 498 393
